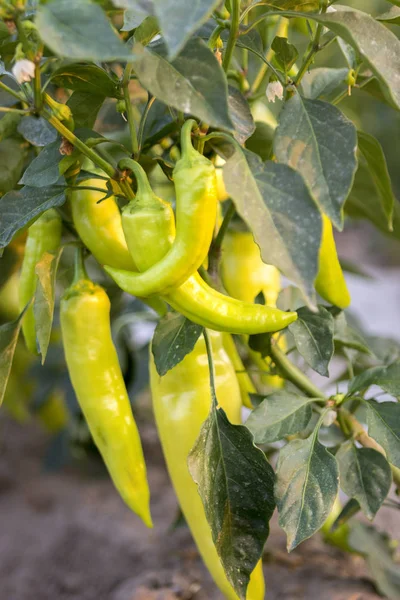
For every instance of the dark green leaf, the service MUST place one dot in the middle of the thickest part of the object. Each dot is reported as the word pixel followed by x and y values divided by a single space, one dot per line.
pixel 8 340
pixel 306 488
pixel 236 486
pixel 388 378
pixel 261 343
pixel 79 29
pixel 313 336
pixel 261 141
pixel 365 475
pixel 349 53
pixel 377 167
pixel 383 421
pixel 285 53
pixel 12 158
pixel 365 34
pixel 174 337
pixel 322 82
pixel 316 139
pixel 84 107
pixel 43 308
pixel 279 415
pixel 148 29
pixel 350 509
pixel 37 131
pixel 277 206
pixel 9 263
pixel 392 16
pixel 8 125
pixel 17 209
pixel 240 114
pixel 378 549
pixel 43 170
pixel 86 78
pixel 193 82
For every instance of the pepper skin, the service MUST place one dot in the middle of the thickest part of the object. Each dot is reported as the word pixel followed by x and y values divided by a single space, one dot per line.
pixel 152 227
pixel 181 403
pixel 43 236
pixel 244 380
pixel 196 210
pixel 330 282
pixel 99 225
pixel 99 386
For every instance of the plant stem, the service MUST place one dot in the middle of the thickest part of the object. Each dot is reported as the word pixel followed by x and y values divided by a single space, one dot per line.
pixel 9 90
pixel 293 374
pixel 129 113
pixel 280 29
pixel 142 123
pixel 37 90
pixel 215 250
pixel 310 56
pixel 77 143
pixel 210 365
pixel 233 34
pixel 17 111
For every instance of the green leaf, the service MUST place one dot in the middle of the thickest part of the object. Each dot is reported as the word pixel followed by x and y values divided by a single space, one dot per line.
pixel 383 420
pixel 261 343
pixel 18 209
pixel 347 337
pixel 236 487
pixel 86 78
pixel 8 340
pixel 285 53
pixel 174 337
pixel 240 114
pixel 322 82
pixel 374 88
pixel 12 158
pixel 146 31
pixel 279 415
pixel 37 131
pixel 8 125
pixel 365 34
pixel 261 141
pixel 365 475
pixel 377 167
pixel 79 29
pixel 136 12
pixel 379 552
pixel 316 139
pixel 349 53
pixel 349 510
pixel 392 16
pixel 277 206
pixel 193 82
pixel 313 336
pixel 297 5
pixel 84 107
pixel 306 488
pixel 43 307
pixel 43 170
pixel 388 378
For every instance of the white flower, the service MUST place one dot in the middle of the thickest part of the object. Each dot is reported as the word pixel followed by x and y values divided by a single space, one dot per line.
pixel 274 90
pixel 24 70
pixel 330 9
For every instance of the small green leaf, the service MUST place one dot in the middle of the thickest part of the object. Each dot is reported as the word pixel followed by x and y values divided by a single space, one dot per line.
pixel 297 5
pixel 313 336
pixel 306 488
pixel 240 114
pixel 147 30
pixel 388 378
pixel 365 475
pixel 174 337
pixel 392 16
pixel 279 415
pixel 43 170
pixel 18 209
pixel 193 82
pixel 236 486
pixel 383 419
pixel 136 12
pixel 43 308
pixel 86 78
pixel 285 53
pixel 316 139
pixel 37 131
pixel 322 82
pixel 349 510
pixel 79 29
pixel 8 340
pixel 12 158
pixel 376 162
pixel 261 343
pixel 84 107
pixel 261 141
pixel 277 206
pixel 347 337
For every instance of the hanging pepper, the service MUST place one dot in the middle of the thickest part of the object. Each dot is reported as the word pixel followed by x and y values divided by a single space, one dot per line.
pixel 43 236
pixel 196 210
pixel 99 386
pixel 152 229
pixel 181 403
pixel 330 282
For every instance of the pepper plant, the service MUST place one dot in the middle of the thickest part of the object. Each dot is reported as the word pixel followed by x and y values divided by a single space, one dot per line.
pixel 237 114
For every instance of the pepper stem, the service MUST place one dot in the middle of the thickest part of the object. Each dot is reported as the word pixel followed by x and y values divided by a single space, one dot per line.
pixel 145 194
pixel 186 138
pixel 79 266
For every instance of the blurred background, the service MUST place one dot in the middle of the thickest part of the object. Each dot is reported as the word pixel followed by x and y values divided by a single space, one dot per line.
pixel 65 533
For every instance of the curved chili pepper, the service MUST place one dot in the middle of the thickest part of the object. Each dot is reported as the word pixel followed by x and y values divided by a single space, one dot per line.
pixel 100 389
